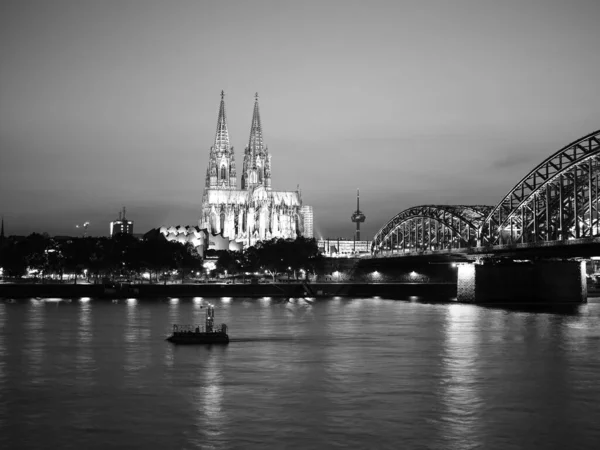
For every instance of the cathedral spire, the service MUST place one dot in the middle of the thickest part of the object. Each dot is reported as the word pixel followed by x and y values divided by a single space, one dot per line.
pixel 256 139
pixel 257 161
pixel 222 135
pixel 221 166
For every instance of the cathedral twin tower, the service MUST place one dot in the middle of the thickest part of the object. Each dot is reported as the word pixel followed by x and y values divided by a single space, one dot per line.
pixel 221 171
pixel 255 212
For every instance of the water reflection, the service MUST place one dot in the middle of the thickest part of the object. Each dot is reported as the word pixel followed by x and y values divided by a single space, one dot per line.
pixel 169 358
pixel 131 324
pixel 342 363
pixel 84 360
pixel 35 340
pixel 358 373
pixel 174 313
pixel 460 376
pixel 137 342
pixel 211 416
pixel 198 315
pixel 3 358
pixel 3 351
pixel 298 311
pixel 173 318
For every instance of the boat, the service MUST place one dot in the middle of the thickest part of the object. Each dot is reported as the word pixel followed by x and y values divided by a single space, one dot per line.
pixel 196 334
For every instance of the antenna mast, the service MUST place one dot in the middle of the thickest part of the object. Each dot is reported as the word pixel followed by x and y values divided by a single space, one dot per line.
pixel 358 217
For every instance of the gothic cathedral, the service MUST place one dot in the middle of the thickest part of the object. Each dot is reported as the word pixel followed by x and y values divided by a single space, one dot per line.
pixel 255 212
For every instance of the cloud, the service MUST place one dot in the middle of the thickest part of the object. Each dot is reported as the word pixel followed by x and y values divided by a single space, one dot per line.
pixel 514 160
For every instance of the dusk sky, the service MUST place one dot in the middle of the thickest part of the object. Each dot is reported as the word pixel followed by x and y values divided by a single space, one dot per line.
pixel 105 104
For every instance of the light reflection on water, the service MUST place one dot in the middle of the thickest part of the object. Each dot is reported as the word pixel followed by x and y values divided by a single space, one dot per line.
pixel 3 358
pixel 460 375
pixel 347 373
pixel 85 364
pixel 34 340
pixel 137 342
pixel 212 417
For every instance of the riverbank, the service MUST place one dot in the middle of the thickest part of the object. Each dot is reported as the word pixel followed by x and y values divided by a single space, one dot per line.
pixel 387 290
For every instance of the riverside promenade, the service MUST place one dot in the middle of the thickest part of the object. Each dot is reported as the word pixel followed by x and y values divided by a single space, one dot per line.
pixel 404 291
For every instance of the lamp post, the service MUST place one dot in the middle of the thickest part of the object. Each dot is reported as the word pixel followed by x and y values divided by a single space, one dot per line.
pixel 85 227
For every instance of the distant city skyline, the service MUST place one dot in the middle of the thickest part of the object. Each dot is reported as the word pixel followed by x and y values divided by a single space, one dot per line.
pixel 111 104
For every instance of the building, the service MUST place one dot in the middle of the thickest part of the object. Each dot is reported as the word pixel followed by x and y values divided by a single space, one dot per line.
pixel 255 212
pixel 181 234
pixel 121 225
pixel 308 221
pixel 343 247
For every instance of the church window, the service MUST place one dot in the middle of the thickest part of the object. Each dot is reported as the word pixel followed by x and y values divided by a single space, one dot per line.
pixel 223 172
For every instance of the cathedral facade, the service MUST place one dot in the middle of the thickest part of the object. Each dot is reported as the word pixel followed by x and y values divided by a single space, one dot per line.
pixel 254 212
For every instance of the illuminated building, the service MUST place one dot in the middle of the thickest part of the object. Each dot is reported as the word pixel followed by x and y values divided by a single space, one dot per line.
pixel 342 247
pixel 255 212
pixel 184 235
pixel 121 225
pixel 307 216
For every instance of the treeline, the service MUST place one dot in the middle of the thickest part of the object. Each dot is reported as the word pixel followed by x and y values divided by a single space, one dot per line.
pixel 295 257
pixel 125 256
pixel 98 258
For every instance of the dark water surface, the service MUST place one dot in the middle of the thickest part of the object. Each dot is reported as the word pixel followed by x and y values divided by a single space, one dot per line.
pixel 345 373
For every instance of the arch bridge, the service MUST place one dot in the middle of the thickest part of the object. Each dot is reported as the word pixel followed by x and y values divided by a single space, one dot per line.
pixel 554 204
pixel 431 228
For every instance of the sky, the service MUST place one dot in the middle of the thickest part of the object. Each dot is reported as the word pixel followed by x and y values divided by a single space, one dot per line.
pixel 105 104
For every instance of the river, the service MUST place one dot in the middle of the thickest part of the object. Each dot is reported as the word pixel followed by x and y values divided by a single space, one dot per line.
pixel 298 374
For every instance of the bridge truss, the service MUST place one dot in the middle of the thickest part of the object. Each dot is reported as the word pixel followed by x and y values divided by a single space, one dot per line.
pixel 556 201
pixel 430 228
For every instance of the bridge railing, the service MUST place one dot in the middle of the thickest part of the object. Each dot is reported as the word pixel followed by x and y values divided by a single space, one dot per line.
pixel 489 249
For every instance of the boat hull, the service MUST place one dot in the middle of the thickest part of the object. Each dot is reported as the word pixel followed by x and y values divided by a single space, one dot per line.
pixel 198 338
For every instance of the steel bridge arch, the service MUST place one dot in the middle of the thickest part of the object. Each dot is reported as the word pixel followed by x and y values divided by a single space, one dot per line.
pixel 557 200
pixel 430 228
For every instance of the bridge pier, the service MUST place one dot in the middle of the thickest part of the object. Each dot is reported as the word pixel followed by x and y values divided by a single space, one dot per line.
pixel 526 282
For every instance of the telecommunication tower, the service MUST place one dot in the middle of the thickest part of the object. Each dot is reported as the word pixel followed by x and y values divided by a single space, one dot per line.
pixel 357 217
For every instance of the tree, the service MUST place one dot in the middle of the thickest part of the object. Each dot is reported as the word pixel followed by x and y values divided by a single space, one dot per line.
pixel 187 259
pixel 251 260
pixel 230 262
pixel 14 259
pixel 160 255
pixel 306 255
pixel 35 248
pixel 271 256
pixel 77 254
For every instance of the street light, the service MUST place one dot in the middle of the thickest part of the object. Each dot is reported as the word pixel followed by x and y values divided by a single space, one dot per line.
pixel 85 227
